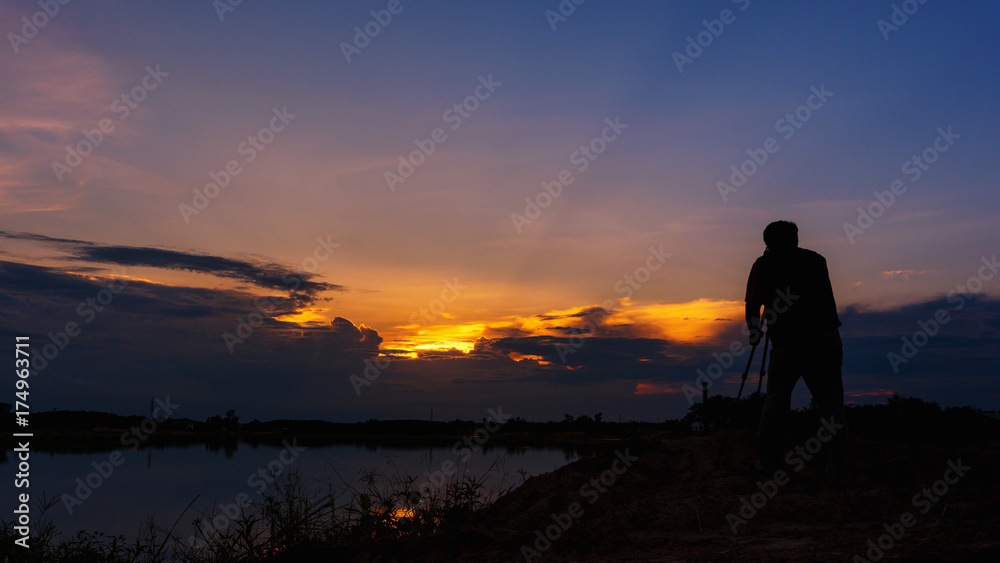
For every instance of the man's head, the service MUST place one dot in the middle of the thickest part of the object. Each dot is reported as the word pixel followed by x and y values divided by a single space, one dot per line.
pixel 781 235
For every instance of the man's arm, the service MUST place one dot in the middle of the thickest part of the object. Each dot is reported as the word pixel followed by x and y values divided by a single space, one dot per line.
pixel 753 305
pixel 753 322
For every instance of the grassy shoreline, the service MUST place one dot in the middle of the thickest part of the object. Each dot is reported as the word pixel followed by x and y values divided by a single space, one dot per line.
pixel 387 513
pixel 384 506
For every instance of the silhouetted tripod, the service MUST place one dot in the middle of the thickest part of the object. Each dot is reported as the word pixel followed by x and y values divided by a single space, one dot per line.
pixel 763 365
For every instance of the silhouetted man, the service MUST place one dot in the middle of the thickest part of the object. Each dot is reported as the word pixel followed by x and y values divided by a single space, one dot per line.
pixel 793 286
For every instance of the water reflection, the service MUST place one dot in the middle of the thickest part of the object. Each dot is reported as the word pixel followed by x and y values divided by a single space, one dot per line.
pixel 227 444
pixel 142 486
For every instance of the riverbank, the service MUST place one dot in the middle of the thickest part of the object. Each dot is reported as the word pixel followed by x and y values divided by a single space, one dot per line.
pixel 922 487
pixel 672 497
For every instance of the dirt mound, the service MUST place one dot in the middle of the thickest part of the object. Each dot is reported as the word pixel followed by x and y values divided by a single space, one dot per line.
pixel 674 497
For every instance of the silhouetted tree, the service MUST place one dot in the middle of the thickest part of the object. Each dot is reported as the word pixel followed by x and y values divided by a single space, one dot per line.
pixel 231 422
pixel 722 411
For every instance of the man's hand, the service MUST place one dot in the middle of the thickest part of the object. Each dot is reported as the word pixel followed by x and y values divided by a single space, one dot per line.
pixel 755 335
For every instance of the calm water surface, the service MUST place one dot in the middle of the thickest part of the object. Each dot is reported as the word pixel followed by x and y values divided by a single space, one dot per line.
pixel 161 482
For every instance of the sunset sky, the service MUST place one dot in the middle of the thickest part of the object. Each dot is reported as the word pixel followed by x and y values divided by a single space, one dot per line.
pixel 440 269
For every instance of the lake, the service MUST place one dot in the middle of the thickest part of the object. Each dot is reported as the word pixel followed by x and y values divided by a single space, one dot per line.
pixel 159 483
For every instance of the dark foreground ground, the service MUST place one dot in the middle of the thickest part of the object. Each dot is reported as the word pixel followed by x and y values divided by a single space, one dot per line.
pixel 671 504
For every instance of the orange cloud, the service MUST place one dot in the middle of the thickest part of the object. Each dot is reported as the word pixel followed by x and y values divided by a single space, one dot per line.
pixel 695 322
pixel 442 338
pixel 905 274
pixel 654 389
pixel 690 323
pixel 870 393
pixel 517 357
pixel 306 315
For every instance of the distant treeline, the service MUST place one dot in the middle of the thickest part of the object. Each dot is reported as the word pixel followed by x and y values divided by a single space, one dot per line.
pixel 93 421
pixel 898 419
pixel 91 431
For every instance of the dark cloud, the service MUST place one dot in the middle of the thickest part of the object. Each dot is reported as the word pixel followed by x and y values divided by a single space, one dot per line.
pixel 111 343
pixel 158 340
pixel 570 330
pixel 594 312
pixel 440 354
pixel 591 358
pixel 961 355
pixel 895 349
pixel 505 332
pixel 18 277
pixel 352 337
pixel 974 314
pixel 259 273
pixel 43 238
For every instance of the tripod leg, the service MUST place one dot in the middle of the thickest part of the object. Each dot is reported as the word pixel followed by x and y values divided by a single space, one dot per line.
pixel 747 370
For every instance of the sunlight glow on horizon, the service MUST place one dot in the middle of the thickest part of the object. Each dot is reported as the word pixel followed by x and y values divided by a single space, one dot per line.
pixel 651 388
pixel 307 315
pixel 695 322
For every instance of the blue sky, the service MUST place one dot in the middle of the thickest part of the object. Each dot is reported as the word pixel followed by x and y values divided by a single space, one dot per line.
pixel 389 252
